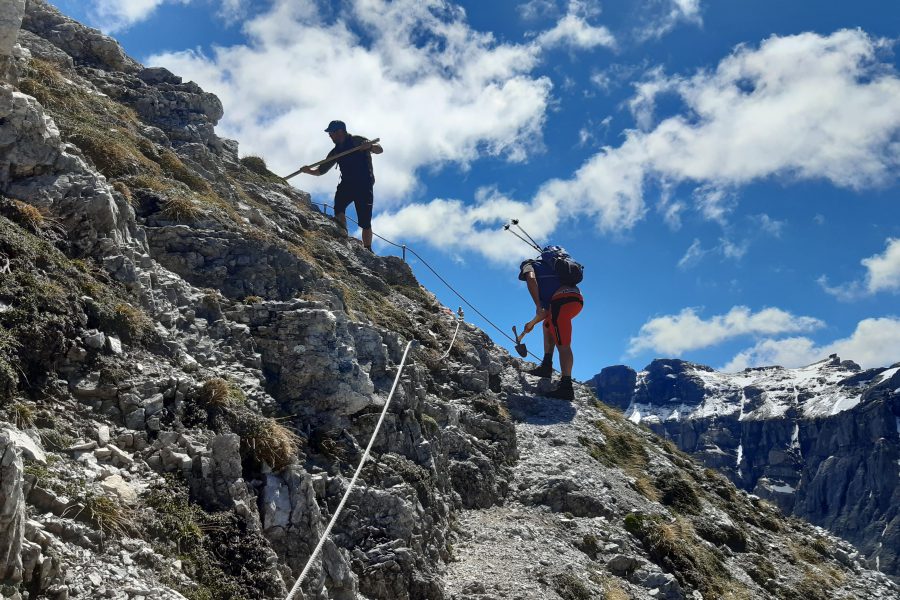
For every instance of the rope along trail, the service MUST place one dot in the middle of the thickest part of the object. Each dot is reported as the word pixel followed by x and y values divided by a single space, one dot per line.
pixel 362 462
pixel 406 248
pixel 297 584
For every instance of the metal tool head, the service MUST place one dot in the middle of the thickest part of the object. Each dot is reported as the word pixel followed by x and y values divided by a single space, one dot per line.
pixel 520 347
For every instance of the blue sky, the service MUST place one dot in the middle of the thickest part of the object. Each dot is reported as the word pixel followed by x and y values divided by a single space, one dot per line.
pixel 725 170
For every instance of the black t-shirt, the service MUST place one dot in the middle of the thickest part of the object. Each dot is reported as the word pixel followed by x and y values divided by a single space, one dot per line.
pixel 356 167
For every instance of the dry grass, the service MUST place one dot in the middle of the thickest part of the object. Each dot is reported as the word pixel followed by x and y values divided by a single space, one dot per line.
pixel 675 546
pixel 181 207
pixel 123 189
pixel 132 323
pixel 612 591
pixel 149 182
pixel 173 166
pixel 272 442
pixel 621 448
pixel 25 215
pixel 103 129
pixel 678 492
pixel 256 164
pixel 108 515
pixel 22 415
pixel 221 393
pixel 646 488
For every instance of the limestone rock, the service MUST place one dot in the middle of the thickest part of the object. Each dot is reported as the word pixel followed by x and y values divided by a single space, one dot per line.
pixel 12 510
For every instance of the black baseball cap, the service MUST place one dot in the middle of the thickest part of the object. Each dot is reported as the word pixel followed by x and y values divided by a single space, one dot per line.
pixel 335 126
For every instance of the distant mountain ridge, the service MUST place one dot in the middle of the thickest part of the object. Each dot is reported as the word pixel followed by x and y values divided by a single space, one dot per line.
pixel 822 441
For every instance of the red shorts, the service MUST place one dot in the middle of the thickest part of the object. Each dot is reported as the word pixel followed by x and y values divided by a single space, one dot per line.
pixel 564 306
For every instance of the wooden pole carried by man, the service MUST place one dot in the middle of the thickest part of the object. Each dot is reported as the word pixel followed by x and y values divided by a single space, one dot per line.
pixel 353 154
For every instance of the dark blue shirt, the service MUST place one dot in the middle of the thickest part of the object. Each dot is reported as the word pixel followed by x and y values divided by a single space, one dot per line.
pixel 356 168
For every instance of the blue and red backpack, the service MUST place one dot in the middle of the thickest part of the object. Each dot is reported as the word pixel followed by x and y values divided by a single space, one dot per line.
pixel 552 269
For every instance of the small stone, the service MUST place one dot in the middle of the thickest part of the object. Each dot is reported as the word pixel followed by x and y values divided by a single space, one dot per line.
pixel 114 345
pixel 94 341
pixel 136 419
pixel 103 435
pixel 82 446
pixel 153 404
pixel 119 455
pixel 622 564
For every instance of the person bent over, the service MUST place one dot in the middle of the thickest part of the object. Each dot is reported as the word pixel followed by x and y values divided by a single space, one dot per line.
pixel 558 303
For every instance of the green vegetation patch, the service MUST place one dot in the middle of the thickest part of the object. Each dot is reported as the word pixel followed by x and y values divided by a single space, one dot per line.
pixel 674 546
pixel 678 493
pixel 621 447
pixel 41 307
pixel 221 393
pixel 268 440
pixel 570 587
pixel 257 170
pixel 218 552
pixel 103 129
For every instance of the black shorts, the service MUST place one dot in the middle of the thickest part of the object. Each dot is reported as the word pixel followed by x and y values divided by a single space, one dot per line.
pixel 360 195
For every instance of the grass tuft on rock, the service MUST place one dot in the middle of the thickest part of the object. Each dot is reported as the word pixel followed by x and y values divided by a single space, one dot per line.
pixel 675 547
pixel 223 558
pixel 23 214
pixel 108 515
pixel 569 587
pixel 677 492
pixel 221 393
pixel 181 207
pixel 103 129
pixel 621 447
pixel 269 441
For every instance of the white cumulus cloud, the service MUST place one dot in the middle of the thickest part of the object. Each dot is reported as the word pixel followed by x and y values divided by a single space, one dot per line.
pixel 685 331
pixel 413 73
pixel 667 14
pixel 573 30
pixel 116 15
pixel 874 343
pixel 802 107
pixel 882 275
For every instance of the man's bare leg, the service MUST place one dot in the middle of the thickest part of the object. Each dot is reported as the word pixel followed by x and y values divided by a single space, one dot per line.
pixel 367 238
pixel 566 360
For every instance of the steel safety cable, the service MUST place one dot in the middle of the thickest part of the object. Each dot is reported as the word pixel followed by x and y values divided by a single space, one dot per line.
pixel 444 281
pixel 340 507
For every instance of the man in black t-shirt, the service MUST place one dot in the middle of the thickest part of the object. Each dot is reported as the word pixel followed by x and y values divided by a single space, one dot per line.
pixel 357 177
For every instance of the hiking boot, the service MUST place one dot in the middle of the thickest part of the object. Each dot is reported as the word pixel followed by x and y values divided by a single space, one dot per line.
pixel 543 370
pixel 564 391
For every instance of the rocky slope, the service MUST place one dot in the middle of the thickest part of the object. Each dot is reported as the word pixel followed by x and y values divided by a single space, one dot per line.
pixel 822 442
pixel 191 358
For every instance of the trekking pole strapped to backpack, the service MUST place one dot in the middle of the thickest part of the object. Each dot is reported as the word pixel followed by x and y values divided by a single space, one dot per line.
pixel 515 222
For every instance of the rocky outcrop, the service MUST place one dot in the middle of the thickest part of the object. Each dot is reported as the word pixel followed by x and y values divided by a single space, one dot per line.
pixel 821 442
pixel 86 45
pixel 11 14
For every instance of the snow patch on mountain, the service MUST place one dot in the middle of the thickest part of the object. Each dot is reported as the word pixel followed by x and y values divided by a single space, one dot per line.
pixel 821 389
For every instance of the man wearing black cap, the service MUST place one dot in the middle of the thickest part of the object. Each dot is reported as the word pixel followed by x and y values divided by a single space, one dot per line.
pixel 357 177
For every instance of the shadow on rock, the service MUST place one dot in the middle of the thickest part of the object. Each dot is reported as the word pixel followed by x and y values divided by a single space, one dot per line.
pixel 537 410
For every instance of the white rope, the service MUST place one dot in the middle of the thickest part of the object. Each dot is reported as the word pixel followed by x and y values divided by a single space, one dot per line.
pixel 362 462
pixel 459 317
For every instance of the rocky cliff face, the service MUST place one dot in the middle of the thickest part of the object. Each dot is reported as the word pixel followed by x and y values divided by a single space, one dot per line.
pixel 821 442
pixel 192 358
